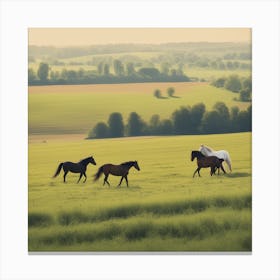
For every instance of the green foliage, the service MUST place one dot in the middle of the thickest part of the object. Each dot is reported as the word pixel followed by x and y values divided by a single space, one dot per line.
pixel 246 95
pixel 39 220
pixel 233 83
pixel 236 84
pixel 149 72
pixel 185 120
pixel 170 91
pixel 210 122
pixel 181 120
pixel 135 125
pixel 220 82
pixel 43 71
pixel 157 93
pixel 197 112
pixel 118 67
pixel 31 75
pixel 115 124
pixel 101 130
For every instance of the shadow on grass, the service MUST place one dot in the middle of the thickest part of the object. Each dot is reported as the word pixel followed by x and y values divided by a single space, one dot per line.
pixel 162 97
pixel 174 96
pixel 237 174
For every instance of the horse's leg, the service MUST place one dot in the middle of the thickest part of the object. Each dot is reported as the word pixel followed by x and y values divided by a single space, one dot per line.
pixel 105 180
pixel 223 169
pixel 85 177
pixel 64 176
pixel 81 174
pixel 120 182
pixel 194 172
pixel 198 169
pixel 126 181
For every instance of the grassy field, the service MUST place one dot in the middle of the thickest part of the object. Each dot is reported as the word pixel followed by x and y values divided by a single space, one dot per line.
pixel 164 209
pixel 76 109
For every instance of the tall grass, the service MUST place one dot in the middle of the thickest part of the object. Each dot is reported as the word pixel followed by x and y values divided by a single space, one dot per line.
pixel 156 208
pixel 197 226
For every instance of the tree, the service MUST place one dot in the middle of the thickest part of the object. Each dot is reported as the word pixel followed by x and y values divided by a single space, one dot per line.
pixel 220 82
pixel 224 122
pixel 245 120
pixel 211 122
pixel 197 112
pixel 130 69
pixel 170 91
pixel 154 124
pixel 100 68
pixel 31 75
pixel 247 83
pixel 118 67
pixel 233 83
pixel 116 126
pixel 157 93
pixel 106 69
pixel 164 68
pixel 149 72
pixel 99 131
pixel 234 118
pixel 135 125
pixel 166 127
pixel 43 71
pixel 245 95
pixel 182 121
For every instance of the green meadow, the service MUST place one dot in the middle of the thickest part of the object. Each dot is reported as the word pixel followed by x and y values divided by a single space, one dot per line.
pixel 163 209
pixel 77 108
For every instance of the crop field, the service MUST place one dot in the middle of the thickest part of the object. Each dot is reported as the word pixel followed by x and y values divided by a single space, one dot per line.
pixel 76 109
pixel 163 209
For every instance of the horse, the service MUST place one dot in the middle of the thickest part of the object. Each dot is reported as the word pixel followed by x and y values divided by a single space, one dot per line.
pixel 203 162
pixel 116 170
pixel 207 151
pixel 79 167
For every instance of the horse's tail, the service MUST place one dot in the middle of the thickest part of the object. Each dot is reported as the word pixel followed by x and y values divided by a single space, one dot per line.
pixel 99 173
pixel 58 170
pixel 228 161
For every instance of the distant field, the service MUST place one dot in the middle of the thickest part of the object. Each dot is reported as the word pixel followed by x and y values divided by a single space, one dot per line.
pixel 164 209
pixel 211 74
pixel 76 109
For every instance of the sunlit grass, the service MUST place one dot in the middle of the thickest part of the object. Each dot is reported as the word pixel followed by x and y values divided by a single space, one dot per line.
pixel 77 109
pixel 162 203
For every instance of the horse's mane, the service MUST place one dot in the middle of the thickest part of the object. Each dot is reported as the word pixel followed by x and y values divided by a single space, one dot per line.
pixel 83 160
pixel 127 163
pixel 207 148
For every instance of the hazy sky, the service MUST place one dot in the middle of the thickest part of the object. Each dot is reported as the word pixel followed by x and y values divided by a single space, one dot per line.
pixel 96 36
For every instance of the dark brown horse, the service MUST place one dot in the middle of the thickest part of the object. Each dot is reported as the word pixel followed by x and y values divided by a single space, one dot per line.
pixel 116 170
pixel 79 167
pixel 203 162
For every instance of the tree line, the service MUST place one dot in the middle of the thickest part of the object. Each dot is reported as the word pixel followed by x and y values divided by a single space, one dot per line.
pixel 123 73
pixel 234 83
pixel 184 121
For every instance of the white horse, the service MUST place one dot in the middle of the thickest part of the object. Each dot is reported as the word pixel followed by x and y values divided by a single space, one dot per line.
pixel 222 154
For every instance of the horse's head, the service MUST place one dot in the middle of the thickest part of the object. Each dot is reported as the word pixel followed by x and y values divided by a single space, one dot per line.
pixel 92 161
pixel 193 155
pixel 135 164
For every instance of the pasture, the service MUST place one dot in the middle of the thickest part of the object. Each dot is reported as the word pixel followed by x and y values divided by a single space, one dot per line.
pixel 76 109
pixel 164 209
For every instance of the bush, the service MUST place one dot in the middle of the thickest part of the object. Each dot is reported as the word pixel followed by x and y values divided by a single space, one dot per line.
pixel 99 131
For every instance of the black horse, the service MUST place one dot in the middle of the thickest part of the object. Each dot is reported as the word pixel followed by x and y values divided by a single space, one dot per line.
pixel 79 167
pixel 203 162
pixel 116 170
